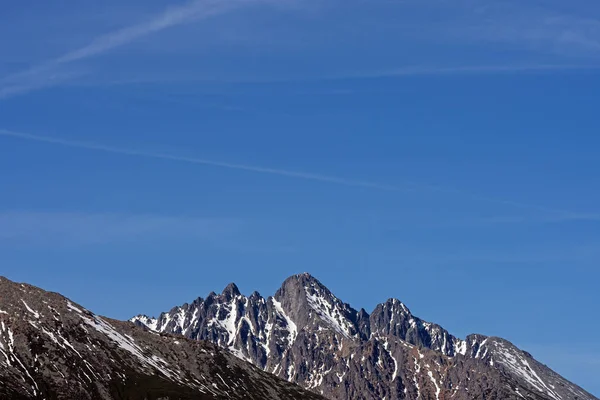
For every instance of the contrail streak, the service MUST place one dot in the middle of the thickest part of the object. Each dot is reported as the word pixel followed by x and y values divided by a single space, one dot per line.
pixel 201 161
pixel 408 186
pixel 483 69
pixel 41 75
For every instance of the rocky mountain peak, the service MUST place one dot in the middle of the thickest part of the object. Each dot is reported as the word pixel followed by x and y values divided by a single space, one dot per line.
pixel 394 303
pixel 255 295
pixel 231 291
pixel 302 283
pixel 211 295
pixel 292 298
pixel 310 303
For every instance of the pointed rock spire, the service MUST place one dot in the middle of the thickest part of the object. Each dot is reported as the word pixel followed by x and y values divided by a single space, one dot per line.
pixel 231 291
pixel 308 301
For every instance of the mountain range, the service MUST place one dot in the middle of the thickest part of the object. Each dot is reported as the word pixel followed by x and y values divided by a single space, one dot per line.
pixel 301 343
pixel 52 348
pixel 306 335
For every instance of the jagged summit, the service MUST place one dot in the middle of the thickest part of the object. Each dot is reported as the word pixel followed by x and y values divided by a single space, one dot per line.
pixel 301 281
pixel 231 291
pixel 310 303
pixel 300 288
pixel 393 302
pixel 305 334
pixel 306 275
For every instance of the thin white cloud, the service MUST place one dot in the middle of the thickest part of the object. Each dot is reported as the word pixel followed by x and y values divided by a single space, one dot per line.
pixel 555 215
pixel 404 71
pixel 471 70
pixel 42 75
pixel 171 17
pixel 202 161
pixel 35 82
pixel 85 228
pixel 549 30
pixel 544 219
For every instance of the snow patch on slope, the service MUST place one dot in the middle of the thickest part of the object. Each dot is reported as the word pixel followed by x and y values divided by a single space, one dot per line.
pixel 292 328
pixel 35 313
pixel 330 312
pixel 460 347
pixel 128 345
pixel 517 362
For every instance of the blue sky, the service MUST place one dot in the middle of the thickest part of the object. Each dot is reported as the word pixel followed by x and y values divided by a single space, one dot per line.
pixel 443 153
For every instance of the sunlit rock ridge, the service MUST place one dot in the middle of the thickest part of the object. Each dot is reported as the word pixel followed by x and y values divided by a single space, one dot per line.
pixel 306 335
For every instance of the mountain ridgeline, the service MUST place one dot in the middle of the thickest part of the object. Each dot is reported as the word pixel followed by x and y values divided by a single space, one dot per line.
pixel 306 335
pixel 51 348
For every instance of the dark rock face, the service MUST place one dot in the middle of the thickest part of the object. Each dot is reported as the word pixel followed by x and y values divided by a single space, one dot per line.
pixel 306 335
pixel 51 348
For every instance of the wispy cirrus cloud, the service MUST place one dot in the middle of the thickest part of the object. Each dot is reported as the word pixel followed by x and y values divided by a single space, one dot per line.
pixel 550 214
pixel 473 69
pixel 403 71
pixel 506 26
pixel 89 228
pixel 203 161
pixel 548 218
pixel 45 74
pixel 543 29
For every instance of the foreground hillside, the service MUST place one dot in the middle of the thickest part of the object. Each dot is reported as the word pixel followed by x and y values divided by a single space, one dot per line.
pixel 51 348
pixel 308 336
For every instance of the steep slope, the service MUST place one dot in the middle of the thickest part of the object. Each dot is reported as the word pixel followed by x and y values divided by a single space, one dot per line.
pixel 51 348
pixel 306 335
